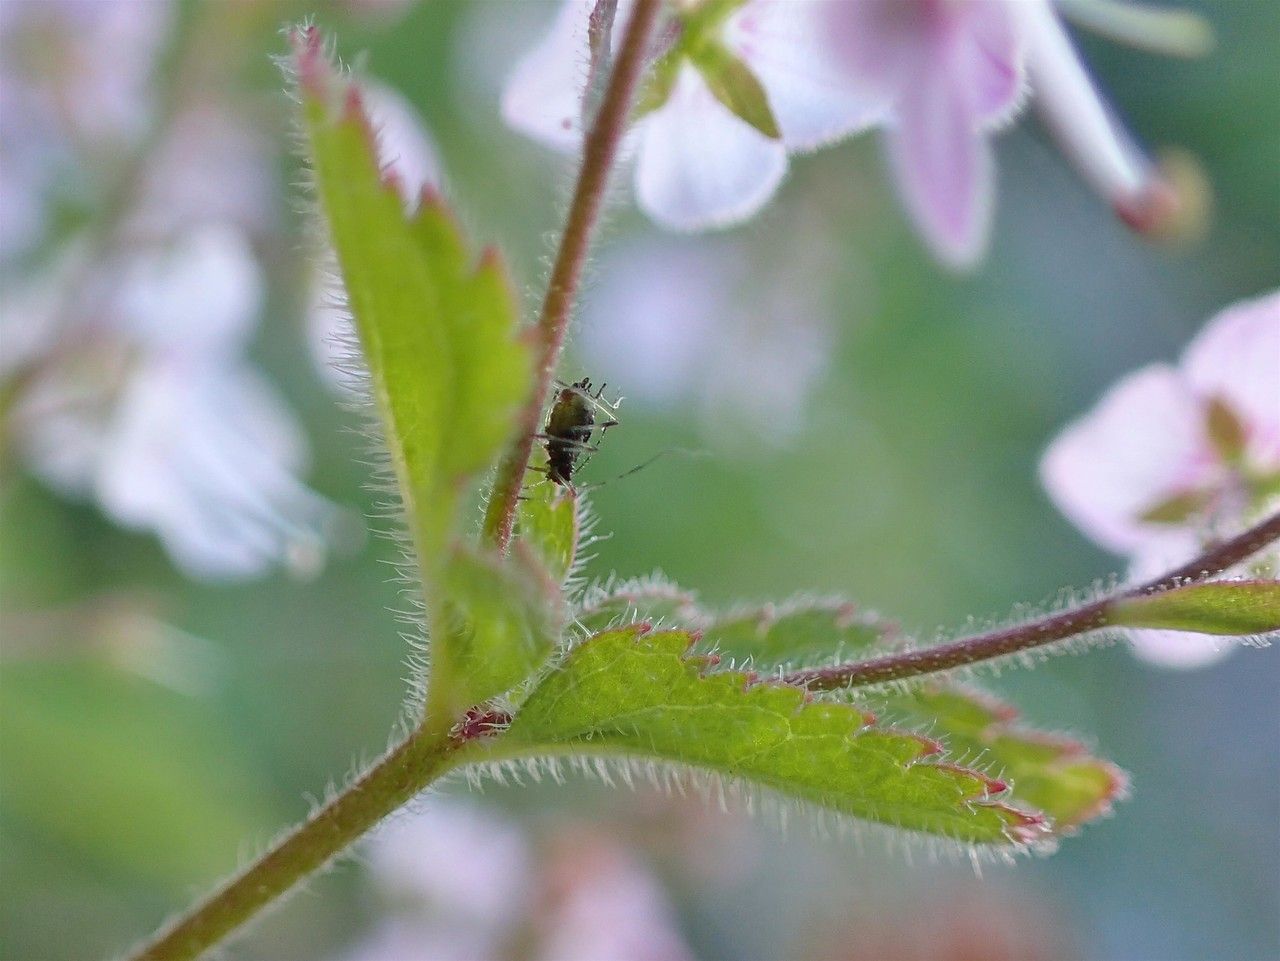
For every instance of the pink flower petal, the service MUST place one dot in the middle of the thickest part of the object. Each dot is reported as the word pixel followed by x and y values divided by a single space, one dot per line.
pixel 782 41
pixel 883 45
pixel 1081 122
pixel 989 60
pixel 700 165
pixel 543 98
pixel 944 169
pixel 1143 443
pixel 1236 358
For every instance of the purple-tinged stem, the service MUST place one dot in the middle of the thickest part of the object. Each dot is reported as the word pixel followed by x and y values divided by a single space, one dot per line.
pixel 600 150
pixel 1037 633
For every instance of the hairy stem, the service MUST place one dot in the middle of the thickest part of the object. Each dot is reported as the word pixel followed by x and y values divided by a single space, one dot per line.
pixel 400 774
pixel 1046 630
pixel 600 150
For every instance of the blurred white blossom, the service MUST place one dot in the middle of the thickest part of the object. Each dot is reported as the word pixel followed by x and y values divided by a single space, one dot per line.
pixel 141 400
pixel 1174 457
pixel 123 352
pixel 75 77
pixel 699 163
pixel 700 325
pixel 464 884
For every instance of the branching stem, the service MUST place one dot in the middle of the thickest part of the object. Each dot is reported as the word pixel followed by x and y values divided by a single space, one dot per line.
pixel 1033 634
pixel 600 150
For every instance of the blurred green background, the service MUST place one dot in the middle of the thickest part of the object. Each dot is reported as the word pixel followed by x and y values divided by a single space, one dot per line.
pixel 909 487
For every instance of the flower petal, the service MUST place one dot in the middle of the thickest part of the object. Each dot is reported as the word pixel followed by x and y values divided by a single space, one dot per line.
pixel 543 98
pixel 198 298
pixel 1084 126
pixel 783 43
pixel 989 60
pixel 1143 443
pixel 944 169
pixel 1236 358
pixel 204 456
pixel 699 165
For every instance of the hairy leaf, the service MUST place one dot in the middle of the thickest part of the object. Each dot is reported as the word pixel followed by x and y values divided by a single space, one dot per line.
pixel 647 599
pixel 437 326
pixel 1219 607
pixel 1049 772
pixel 498 624
pixel 635 693
pixel 796 631
pixel 549 522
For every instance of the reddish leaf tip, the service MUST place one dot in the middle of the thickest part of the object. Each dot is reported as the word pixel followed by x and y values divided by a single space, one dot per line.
pixel 308 55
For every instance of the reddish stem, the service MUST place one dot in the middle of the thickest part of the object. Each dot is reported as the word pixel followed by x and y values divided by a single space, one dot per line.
pixel 1025 637
pixel 600 150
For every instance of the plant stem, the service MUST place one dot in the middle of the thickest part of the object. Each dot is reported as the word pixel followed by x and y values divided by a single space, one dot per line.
pixel 400 774
pixel 1046 630
pixel 600 150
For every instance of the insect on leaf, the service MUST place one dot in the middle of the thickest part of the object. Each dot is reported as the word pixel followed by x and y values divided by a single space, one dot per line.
pixel 632 693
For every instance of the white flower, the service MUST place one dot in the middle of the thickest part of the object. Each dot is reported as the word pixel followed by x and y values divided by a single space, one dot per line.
pixel 699 163
pixel 147 406
pixel 1174 457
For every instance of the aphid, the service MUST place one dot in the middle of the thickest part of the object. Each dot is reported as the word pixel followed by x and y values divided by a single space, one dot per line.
pixel 572 420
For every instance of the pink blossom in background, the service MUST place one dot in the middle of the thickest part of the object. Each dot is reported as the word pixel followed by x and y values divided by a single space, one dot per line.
pixel 697 164
pixel 1173 457
pixel 953 73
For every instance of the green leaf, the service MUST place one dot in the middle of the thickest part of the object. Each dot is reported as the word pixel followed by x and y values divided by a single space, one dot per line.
pixel 1047 772
pixel 1219 607
pixel 649 599
pixel 549 522
pixel 437 326
pixel 635 694
pixel 499 625
pixel 798 631
pixel 735 86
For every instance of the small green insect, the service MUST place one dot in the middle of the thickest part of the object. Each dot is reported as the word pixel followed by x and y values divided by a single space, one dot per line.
pixel 570 424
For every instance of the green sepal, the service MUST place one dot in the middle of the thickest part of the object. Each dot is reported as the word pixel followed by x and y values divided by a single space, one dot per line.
pixel 1218 607
pixel 549 522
